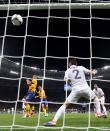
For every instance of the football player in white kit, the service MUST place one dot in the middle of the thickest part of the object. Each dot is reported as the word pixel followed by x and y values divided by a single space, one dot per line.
pixel 80 88
pixel 100 94
pixel 23 107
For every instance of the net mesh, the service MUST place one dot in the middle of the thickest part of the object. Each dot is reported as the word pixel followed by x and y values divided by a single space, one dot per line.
pixel 59 34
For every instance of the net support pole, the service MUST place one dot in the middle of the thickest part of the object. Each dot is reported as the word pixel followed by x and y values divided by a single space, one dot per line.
pixel 44 62
pixel 21 75
pixel 90 62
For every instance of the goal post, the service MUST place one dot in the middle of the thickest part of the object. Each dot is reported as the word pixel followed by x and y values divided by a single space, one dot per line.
pixel 38 6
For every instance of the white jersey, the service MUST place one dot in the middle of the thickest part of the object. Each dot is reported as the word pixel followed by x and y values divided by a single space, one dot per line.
pixel 23 106
pixel 98 92
pixel 77 76
pixel 12 110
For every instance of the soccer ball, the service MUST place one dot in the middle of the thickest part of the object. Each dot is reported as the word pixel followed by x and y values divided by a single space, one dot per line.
pixel 17 19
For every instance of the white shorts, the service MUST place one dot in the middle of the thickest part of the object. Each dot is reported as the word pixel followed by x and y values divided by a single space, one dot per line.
pixel 102 100
pixel 75 95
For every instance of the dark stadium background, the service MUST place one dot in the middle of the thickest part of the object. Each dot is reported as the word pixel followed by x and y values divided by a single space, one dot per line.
pixel 56 46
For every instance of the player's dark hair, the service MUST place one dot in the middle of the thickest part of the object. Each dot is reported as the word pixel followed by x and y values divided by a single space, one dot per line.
pixel 95 84
pixel 73 61
pixel 40 86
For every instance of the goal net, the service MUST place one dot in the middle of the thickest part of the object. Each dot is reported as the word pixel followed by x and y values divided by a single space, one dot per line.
pixel 53 31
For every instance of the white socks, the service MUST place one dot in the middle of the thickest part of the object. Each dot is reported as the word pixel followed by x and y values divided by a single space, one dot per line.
pixel 60 111
pixel 104 110
pixel 95 110
pixel 98 110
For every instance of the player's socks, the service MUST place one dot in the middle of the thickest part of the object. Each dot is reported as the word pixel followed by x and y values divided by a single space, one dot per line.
pixel 24 116
pixel 95 110
pixel 47 109
pixel 46 115
pixel 104 110
pixel 44 110
pixel 96 100
pixel 31 112
pixel 27 114
pixel 60 111
pixel 24 112
pixel 27 110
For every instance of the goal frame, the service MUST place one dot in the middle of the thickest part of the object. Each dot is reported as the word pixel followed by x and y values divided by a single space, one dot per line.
pixel 56 6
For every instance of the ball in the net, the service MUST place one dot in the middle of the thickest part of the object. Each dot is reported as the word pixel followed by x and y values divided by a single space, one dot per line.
pixel 17 19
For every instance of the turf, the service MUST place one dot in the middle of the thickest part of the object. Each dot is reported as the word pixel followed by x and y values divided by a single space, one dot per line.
pixel 77 120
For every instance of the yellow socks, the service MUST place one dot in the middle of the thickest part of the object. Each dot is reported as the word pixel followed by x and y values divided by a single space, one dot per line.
pixel 27 109
pixel 44 110
pixel 47 109
pixel 30 111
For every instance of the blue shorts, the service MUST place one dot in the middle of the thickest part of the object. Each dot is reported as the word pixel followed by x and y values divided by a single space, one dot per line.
pixel 29 96
pixel 45 102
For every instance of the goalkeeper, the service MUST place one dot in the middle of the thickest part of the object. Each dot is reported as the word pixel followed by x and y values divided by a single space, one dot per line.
pixel 31 94
pixel 80 88
pixel 44 102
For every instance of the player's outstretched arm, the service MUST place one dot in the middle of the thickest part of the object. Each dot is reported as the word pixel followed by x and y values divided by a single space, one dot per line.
pixel 93 72
pixel 34 80
pixel 36 97
pixel 34 77
pixel 37 92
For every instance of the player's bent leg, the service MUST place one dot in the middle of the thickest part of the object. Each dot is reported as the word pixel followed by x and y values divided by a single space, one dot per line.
pixel 71 98
pixel 97 104
pixel 102 100
pixel 27 110
pixel 98 110
pixel 91 95
pixel 24 113
pixel 46 106
pixel 60 111
pixel 43 109
pixel 95 109
pixel 31 112
pixel 96 100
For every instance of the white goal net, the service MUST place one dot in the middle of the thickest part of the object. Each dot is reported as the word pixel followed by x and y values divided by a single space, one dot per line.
pixel 53 31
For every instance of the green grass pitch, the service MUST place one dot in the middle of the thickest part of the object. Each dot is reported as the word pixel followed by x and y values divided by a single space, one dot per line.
pixel 72 120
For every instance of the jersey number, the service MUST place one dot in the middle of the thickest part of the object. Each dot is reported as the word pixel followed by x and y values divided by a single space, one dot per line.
pixel 77 74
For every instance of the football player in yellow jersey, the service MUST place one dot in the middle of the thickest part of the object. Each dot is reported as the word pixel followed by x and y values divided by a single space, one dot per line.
pixel 43 98
pixel 31 94
pixel 4 109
